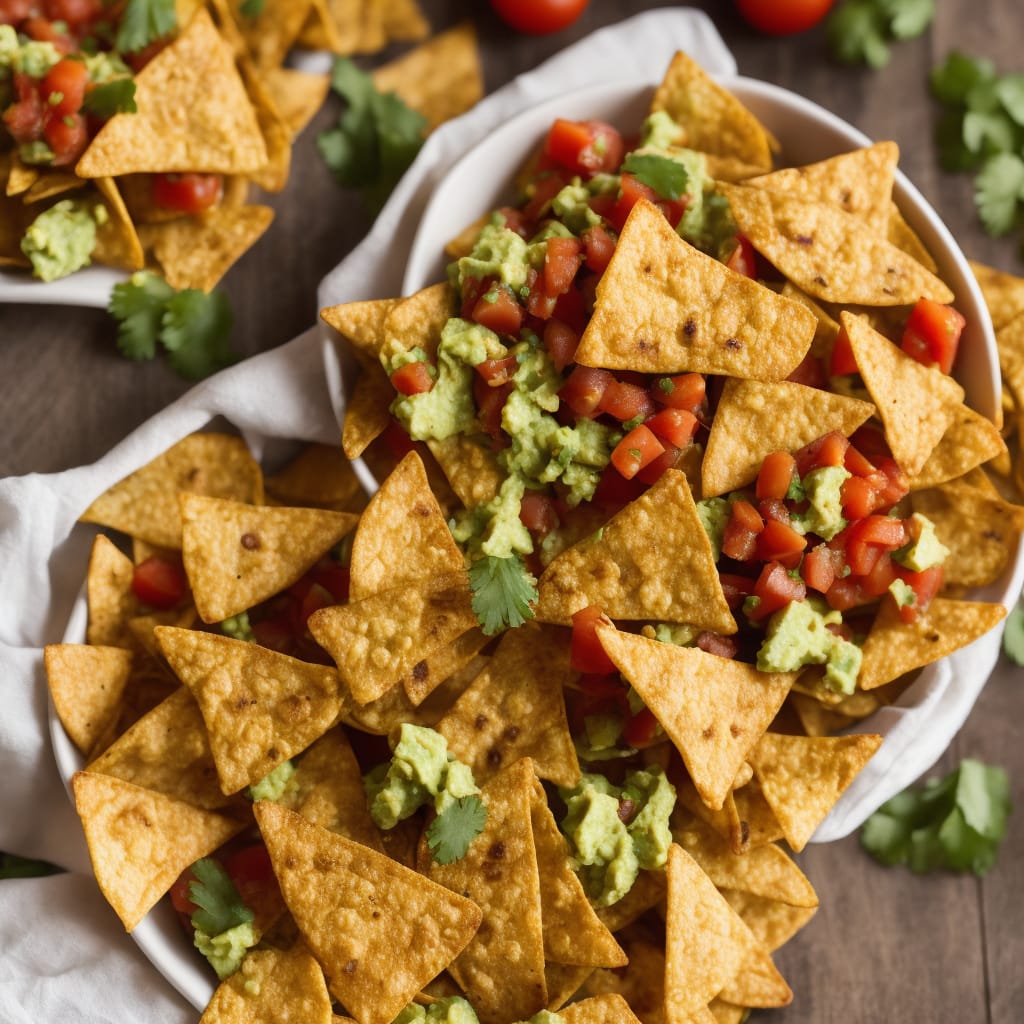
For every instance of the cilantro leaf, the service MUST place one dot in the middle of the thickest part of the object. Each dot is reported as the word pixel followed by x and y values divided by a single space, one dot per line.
pixel 251 8
pixel 1010 93
pixel 451 832
pixel 220 907
pixel 108 98
pixel 195 330
pixel 988 132
pixel 13 866
pixel 999 189
pixel 954 78
pixel 1013 635
pixel 856 34
pixel 668 178
pixel 503 589
pixel 955 823
pixel 139 304
pixel 908 18
pixel 144 21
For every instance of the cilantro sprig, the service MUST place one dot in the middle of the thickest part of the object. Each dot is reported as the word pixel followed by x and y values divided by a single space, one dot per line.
pixel 503 590
pixel 955 823
pixel 219 905
pixel 143 22
pixel 375 139
pixel 109 98
pixel 13 866
pixel 669 178
pixel 192 326
pixel 860 31
pixel 451 832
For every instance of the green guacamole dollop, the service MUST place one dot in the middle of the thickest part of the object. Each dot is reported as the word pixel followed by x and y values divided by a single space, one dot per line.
pixel 61 239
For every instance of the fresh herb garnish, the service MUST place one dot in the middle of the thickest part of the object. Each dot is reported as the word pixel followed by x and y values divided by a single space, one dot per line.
pixel 376 138
pixel 192 326
pixel 956 823
pixel 109 98
pixel 220 907
pixel 859 31
pixel 251 8
pixel 668 178
pixel 1013 635
pixel 503 589
pixel 13 866
pixel 143 22
pixel 451 832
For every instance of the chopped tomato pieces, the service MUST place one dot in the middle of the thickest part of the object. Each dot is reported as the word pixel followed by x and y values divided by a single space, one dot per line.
pixel 640 729
pixel 780 543
pixel 776 475
pixel 626 401
pixel 497 371
pixel 584 389
pixel 637 449
pixel 561 261
pixel 561 341
pixel 159 583
pixel 676 426
pixel 63 87
pixel 653 471
pixel 774 589
pixel 187 193
pixel 932 334
pixel 739 541
pixel 684 391
pixel 925 585
pixel 412 378
pixel 743 259
pixel 67 135
pixel 584 147
pixel 820 567
pixel 498 310
pixel 827 450
pixel 598 246
pixel 585 651
pixel 538 512
pixel 715 643
pixel 842 361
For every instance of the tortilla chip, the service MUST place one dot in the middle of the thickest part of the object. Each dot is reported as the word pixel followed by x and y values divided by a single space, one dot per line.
pixel 894 647
pixel 502 969
pixel 361 323
pixel 260 707
pixel 712 119
pixel 516 708
pixel 117 242
pixel 379 930
pixel 403 535
pixel 610 1008
pixel 1003 293
pixel 903 236
pixel 471 466
pixel 916 403
pixel 193 115
pixel 714 709
pixel 267 981
pixel 145 504
pixel 647 891
pixel 773 922
pixel 417 321
pixel 563 982
pixel 86 683
pixel 237 555
pixel 140 841
pixel 757 983
pixel 318 477
pixel 817 719
pixel 641 984
pixel 427 675
pixel 108 589
pixel 378 640
pixel 969 441
pixel 441 78
pixel 858 182
pixel 298 95
pixel 20 176
pixel 630 578
pixel 367 415
pixel 828 253
pixel 271 33
pixel 754 419
pixel 663 306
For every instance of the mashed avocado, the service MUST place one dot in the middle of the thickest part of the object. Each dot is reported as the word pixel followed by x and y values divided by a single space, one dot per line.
pixel 26 56
pixel 273 785
pixel 823 489
pixel 797 636
pixel 238 627
pixel 714 515
pixel 572 207
pixel 499 253
pixel 450 1010
pixel 495 528
pixel 61 239
pixel 227 950
pixel 925 550
pixel 421 772
pixel 610 851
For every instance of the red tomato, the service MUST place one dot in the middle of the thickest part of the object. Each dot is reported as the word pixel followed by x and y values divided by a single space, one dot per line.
pixel 12 11
pixel 251 871
pixel 584 147
pixel 614 490
pixel 932 334
pixel 598 247
pixel 159 583
pixel 925 585
pixel 820 567
pixel 560 340
pixel 539 17
pixel 676 426
pixel 640 729
pixel 739 541
pixel 715 643
pixel 497 371
pixel 775 475
pixel 585 651
pixel 775 588
pixel 538 512
pixel 625 401
pixel 783 17
pixel 412 378
pixel 684 391
pixel 73 12
pixel 24 117
pixel 67 135
pixel 743 260
pixel 63 87
pixel 637 449
pixel 778 542
pixel 653 471
pixel 187 193
pixel 498 311
pixel 584 389
pixel 842 360
pixel 827 450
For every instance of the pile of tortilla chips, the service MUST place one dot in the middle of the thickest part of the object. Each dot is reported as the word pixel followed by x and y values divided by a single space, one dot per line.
pixel 176 715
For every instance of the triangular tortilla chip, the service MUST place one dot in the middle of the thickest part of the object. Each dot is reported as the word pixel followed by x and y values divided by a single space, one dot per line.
pixel 109 595
pixel 378 640
pixel 859 182
pixel 663 306
pixel 298 95
pixel 117 241
pixel 757 983
pixel 1003 293
pixel 516 708
pixel 140 841
pixel 266 981
pixel 803 776
pixel 318 477
pixel 894 647
pixel 610 1008
pixel 916 403
pixel 193 114
pixel 367 415
pixel 470 466
pixel 714 709
pixel 904 237
pixel 427 675
pixel 86 683
pixel 403 535
pixel 573 933
pixel 501 971
pixel 630 578
pixel 362 323
pixel 260 707
pixel 970 440
pixel 828 253
pixel 754 419
pixel 271 33
pixel 380 930
pixel 774 923
pixel 237 555
pixel 145 503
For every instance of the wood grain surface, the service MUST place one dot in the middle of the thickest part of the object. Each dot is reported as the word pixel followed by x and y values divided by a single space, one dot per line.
pixel 886 946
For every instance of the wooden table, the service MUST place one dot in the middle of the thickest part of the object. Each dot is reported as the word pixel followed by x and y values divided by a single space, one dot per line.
pixel 885 945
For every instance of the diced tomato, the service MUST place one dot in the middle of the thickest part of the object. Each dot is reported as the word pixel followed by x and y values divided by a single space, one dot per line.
pixel 585 651
pixel 614 490
pixel 598 246
pixel 538 302
pixel 735 587
pixel 187 193
pixel 334 578
pixel 472 289
pixel 397 441
pixel 276 633
pixel 859 498
pixel 45 31
pixel 676 426
pixel 490 400
pixel 653 471
pixel 820 567
pixel 561 341
pixel 412 378
pixel 584 389
pixel 251 870
pixel 24 118
pixel 640 729
pixel 775 475
pixel 882 573
pixel 73 12
pixel 867 538
pixel 571 307
pixel 845 593
pixel 180 893
pixel 743 259
pixel 584 147
pixel 775 508
pixel 317 597
pixel 775 588
pixel 498 310
pixel 871 442
pixel 63 86
pixel 932 334
pixel 544 189
pixel 739 540
pixel 538 512
pixel 925 584
pixel 13 11
pixel 514 220
pixel 810 373
pixel 857 463
pixel 67 136
pixel 827 450
pixel 497 371
pixel 715 643
pixel 842 361
pixel 778 542
pixel 684 391
pixel 561 261
pixel 159 583
pixel 631 191
pixel 637 449
pixel 626 401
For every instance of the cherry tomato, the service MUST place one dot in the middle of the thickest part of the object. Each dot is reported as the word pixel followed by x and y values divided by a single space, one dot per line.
pixel 187 193
pixel 539 17
pixel 159 583
pixel 783 17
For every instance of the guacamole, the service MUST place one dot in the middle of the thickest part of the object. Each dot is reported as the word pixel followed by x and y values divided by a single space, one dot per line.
pixel 450 1010
pixel 925 550
pixel 227 950
pixel 238 627
pixel 714 515
pixel 823 489
pixel 61 239
pixel 273 785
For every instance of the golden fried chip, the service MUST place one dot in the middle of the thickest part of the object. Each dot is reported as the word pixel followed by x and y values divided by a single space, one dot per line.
pixel 271 32
pixel 237 555
pixel 714 709
pixel 86 683
pixel 754 419
pixel 772 921
pixel 272 984
pixel 969 441
pixel 563 982
pixel 630 578
pixel 367 415
pixel 610 1008
pixel 427 675
pixel 471 466
pixel 904 237
pixel 298 95
pixel 145 504
pixel 1003 293
pixel 380 930
pixel 277 135
pixel 117 241
pixel 20 176
pixel 916 403
pixel 417 321
pixel 403 535
pixel 362 323
pixel 757 983
pixel 260 707
pixel 828 253
pixel 318 477
pixel 516 708
pixel 663 306
pixel 641 983
pixel 894 647
pixel 140 841
pixel 108 589
pixel 803 776
pixel 502 969
pixel 193 114
pixel 378 640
